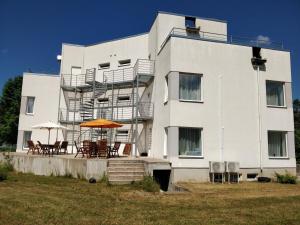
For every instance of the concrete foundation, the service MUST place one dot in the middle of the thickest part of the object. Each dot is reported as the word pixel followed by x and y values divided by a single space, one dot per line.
pixel 62 165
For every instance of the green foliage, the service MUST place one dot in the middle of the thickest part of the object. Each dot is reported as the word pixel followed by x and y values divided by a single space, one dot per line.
pixel 286 178
pixel 296 106
pixel 9 110
pixel 104 179
pixel 4 169
pixel 148 184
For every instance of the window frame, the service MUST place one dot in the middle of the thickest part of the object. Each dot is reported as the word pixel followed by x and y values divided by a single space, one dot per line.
pixel 201 144
pixel 23 141
pixel 286 145
pixel 26 109
pixel 124 62
pixel 201 89
pixel 166 88
pixel 104 66
pixel 284 96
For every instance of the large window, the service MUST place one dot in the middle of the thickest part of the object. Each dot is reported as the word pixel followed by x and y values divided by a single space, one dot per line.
pixel 190 143
pixel 26 137
pixel 190 87
pixel 277 144
pixel 30 105
pixel 275 93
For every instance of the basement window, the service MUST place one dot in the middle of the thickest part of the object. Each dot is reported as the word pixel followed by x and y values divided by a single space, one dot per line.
pixel 125 62
pixel 190 22
pixel 103 66
pixel 251 176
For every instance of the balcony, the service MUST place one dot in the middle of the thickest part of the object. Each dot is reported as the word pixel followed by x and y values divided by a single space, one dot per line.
pixel 123 113
pixel 215 37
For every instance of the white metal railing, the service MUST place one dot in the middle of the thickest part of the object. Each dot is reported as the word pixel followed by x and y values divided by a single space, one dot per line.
pixel 230 39
pixel 141 67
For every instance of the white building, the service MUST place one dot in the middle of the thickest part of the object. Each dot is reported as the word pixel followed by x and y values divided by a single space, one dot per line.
pixel 186 91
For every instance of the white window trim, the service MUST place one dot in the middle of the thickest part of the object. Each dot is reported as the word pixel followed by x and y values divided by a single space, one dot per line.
pixel 201 89
pixel 101 67
pixel 124 64
pixel 286 146
pixel 25 148
pixel 202 149
pixel 284 99
pixel 27 113
pixel 166 88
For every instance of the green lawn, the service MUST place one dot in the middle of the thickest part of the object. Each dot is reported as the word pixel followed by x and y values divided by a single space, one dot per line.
pixel 29 199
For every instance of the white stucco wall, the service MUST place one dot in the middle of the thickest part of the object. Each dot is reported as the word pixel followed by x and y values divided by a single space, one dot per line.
pixel 45 89
pixel 229 100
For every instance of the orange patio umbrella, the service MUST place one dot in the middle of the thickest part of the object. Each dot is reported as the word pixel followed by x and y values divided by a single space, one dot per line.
pixel 101 123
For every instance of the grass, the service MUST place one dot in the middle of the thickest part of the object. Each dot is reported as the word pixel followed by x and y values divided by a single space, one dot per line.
pixel 29 199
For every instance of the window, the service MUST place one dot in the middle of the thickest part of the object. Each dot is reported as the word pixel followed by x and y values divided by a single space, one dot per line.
pixel 277 144
pixel 103 66
pixel 26 137
pixel 166 98
pixel 275 93
pixel 166 142
pixel 30 105
pixel 190 141
pixel 102 100
pixel 190 87
pixel 122 133
pixel 190 22
pixel 125 62
pixel 123 98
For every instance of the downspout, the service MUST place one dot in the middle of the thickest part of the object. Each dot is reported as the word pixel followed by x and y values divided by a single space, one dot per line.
pixel 221 120
pixel 259 119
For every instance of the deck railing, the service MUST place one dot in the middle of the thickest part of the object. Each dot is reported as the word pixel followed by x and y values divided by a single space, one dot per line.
pixel 201 35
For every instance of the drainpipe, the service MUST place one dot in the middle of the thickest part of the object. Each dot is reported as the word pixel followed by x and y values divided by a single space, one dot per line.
pixel 221 119
pixel 259 119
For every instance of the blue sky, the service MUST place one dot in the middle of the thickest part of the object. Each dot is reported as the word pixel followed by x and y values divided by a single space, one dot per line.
pixel 32 31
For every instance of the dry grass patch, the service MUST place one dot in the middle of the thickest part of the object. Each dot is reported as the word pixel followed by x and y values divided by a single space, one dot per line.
pixel 29 199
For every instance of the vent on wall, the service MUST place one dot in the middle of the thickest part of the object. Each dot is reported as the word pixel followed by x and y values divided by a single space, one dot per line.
pixel 257 60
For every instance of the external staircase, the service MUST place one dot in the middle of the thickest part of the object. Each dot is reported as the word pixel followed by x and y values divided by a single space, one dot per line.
pixel 125 171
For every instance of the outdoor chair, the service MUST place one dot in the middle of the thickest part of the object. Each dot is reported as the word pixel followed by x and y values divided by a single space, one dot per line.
pixel 93 149
pixel 44 149
pixel 80 150
pixel 115 150
pixel 64 147
pixel 127 149
pixel 102 148
pixel 32 147
pixel 55 148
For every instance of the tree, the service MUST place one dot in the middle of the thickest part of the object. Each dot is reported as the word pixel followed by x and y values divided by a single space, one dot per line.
pixel 10 110
pixel 296 106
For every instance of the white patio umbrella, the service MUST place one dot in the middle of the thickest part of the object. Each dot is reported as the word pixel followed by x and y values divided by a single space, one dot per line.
pixel 49 126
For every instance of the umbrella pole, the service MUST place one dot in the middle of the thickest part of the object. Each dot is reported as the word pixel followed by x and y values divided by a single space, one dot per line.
pixel 48 136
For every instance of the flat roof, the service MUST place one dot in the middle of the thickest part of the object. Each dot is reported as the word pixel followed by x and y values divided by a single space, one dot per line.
pixel 40 74
pixel 184 15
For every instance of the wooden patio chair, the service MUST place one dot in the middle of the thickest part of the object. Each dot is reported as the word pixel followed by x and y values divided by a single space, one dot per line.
pixel 32 147
pixel 115 150
pixel 64 147
pixel 102 148
pixel 127 149
pixel 93 149
pixel 79 149
pixel 55 148
pixel 44 149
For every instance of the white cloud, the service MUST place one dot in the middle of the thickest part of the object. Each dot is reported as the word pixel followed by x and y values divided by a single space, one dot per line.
pixel 263 39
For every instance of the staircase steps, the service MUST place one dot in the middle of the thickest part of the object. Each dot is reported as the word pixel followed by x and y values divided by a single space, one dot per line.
pixel 125 171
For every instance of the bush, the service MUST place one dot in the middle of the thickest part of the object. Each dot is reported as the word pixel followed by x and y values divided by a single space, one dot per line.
pixel 3 172
pixel 286 178
pixel 149 184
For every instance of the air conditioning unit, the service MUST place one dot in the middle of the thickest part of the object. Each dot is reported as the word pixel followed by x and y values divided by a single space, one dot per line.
pixel 216 167
pixel 232 167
